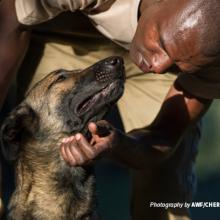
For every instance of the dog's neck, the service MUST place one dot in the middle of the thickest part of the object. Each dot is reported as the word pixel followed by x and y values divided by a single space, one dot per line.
pixel 52 186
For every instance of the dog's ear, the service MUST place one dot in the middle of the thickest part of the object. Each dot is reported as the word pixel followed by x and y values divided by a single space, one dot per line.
pixel 15 128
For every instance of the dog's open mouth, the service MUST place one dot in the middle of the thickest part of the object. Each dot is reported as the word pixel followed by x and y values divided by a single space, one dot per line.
pixel 89 102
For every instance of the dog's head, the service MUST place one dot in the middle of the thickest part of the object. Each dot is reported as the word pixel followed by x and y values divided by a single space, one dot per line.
pixel 63 103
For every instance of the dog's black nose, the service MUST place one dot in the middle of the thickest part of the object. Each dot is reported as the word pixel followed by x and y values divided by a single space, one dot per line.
pixel 109 69
pixel 115 61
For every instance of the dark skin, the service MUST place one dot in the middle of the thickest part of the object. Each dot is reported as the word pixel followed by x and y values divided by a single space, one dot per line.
pixel 183 33
pixel 161 41
pixel 169 33
pixel 160 48
pixel 13 44
pixel 140 148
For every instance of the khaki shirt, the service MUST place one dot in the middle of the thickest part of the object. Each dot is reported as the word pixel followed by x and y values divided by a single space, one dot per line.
pixel 118 22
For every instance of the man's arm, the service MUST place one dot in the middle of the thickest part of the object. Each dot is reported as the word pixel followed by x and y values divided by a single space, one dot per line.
pixel 13 44
pixel 141 148
pixel 150 146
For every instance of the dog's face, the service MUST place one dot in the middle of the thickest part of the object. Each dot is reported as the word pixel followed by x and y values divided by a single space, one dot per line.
pixel 63 103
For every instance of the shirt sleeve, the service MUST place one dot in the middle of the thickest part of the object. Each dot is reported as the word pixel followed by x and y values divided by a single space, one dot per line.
pixel 203 84
pixel 30 12
pixel 119 22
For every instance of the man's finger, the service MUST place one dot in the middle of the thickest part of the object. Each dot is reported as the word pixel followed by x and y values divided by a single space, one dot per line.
pixel 93 130
pixel 63 152
pixel 77 153
pixel 100 129
pixel 103 131
pixel 70 159
pixel 65 143
pixel 87 149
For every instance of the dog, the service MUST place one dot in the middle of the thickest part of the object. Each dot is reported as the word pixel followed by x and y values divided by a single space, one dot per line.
pixel 60 105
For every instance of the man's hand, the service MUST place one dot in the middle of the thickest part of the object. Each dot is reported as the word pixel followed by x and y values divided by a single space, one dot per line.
pixel 77 150
pixel 143 148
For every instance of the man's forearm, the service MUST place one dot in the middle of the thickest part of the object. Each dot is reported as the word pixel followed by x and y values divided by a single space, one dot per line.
pixel 143 148
pixel 140 149
pixel 13 44
pixel 12 52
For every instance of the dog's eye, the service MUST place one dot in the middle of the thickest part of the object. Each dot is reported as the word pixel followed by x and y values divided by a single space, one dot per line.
pixel 61 78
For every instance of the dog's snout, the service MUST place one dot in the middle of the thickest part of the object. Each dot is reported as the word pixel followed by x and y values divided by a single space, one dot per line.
pixel 110 69
pixel 115 61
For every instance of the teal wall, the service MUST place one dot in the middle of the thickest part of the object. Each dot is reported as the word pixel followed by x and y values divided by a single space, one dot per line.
pixel 208 165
